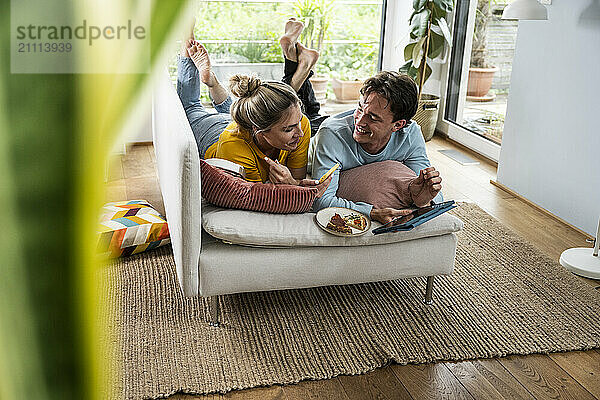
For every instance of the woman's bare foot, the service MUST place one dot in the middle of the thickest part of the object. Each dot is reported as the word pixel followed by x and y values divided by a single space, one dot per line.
pixel 201 60
pixel 307 58
pixel 185 45
pixel 293 29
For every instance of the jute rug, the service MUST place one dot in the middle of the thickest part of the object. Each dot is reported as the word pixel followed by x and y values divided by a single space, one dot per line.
pixel 504 297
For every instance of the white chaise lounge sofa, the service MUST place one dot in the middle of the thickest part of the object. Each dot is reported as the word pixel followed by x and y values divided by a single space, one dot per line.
pixel 222 251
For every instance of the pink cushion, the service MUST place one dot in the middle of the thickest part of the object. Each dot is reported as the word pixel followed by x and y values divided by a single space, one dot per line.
pixel 225 190
pixel 383 184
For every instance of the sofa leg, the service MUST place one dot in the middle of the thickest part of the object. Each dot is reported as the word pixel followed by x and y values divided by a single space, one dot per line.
pixel 429 290
pixel 213 304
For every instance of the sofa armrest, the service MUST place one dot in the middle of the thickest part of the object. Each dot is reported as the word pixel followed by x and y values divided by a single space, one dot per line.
pixel 178 165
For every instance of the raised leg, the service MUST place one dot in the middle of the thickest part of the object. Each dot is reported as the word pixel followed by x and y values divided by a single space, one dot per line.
pixel 299 62
pixel 429 291
pixel 197 52
pixel 293 29
pixel 213 303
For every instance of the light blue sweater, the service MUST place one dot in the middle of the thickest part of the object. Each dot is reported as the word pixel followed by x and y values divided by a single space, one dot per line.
pixel 334 143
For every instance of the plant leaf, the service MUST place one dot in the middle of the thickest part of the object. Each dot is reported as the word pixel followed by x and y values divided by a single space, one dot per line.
pixel 436 45
pixel 409 70
pixel 425 16
pixel 410 19
pixel 436 29
pixel 404 69
pixel 427 74
pixel 417 53
pixel 444 5
pixel 441 22
pixel 414 72
pixel 415 22
pixel 420 21
pixel 419 4
pixel 408 51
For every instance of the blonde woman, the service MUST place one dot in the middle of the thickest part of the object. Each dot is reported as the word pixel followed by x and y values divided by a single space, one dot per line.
pixel 264 130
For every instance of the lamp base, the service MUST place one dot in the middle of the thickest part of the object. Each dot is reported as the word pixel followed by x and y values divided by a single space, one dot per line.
pixel 580 261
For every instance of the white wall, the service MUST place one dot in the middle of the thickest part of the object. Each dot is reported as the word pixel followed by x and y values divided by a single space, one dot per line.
pixel 143 131
pixel 138 126
pixel 551 142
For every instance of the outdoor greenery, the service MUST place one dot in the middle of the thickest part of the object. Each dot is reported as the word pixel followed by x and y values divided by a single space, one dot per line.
pixel 429 36
pixel 243 24
pixel 355 61
pixel 248 33
pixel 316 15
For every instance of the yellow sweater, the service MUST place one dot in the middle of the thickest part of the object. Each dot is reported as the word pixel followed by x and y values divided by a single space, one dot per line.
pixel 236 145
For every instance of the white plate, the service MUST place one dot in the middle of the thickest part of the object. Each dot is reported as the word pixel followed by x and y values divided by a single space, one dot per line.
pixel 324 216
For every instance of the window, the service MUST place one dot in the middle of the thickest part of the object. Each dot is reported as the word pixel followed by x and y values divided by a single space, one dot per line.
pixel 243 36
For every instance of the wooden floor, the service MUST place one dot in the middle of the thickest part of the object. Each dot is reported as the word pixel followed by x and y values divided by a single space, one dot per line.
pixel 574 375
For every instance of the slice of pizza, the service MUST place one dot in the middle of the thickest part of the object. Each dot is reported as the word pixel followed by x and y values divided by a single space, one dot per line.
pixel 356 221
pixel 338 224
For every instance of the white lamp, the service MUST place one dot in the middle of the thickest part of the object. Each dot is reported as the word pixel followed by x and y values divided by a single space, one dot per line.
pixel 583 261
pixel 525 9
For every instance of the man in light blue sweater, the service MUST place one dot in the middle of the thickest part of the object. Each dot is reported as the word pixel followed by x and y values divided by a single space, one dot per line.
pixel 380 129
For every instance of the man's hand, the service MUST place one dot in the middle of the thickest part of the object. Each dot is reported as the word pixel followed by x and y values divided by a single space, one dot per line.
pixel 425 187
pixel 280 174
pixel 385 215
pixel 313 183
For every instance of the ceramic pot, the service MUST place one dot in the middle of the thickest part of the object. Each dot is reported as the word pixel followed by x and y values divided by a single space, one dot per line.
pixel 480 81
pixel 346 91
pixel 319 84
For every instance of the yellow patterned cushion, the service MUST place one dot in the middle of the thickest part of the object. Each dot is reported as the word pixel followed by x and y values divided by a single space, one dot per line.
pixel 130 227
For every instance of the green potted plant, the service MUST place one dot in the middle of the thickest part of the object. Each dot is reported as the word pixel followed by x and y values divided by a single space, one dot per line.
pixel 429 39
pixel 316 16
pixel 481 73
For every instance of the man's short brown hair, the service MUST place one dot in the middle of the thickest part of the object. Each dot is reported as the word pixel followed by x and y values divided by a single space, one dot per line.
pixel 398 89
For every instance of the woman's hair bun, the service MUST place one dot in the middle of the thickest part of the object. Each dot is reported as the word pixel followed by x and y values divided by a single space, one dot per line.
pixel 243 86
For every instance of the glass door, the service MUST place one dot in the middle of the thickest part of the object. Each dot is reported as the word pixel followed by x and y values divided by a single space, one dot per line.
pixel 478 75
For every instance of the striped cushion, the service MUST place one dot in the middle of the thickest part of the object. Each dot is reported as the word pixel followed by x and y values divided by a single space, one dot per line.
pixel 130 227
pixel 225 190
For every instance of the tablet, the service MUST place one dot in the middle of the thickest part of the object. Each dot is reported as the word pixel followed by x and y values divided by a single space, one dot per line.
pixel 415 218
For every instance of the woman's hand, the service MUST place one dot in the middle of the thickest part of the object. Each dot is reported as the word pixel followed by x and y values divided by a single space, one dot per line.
pixel 280 174
pixel 313 183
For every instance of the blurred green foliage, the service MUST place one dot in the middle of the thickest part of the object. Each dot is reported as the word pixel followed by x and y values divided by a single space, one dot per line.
pixel 44 357
pixel 53 140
